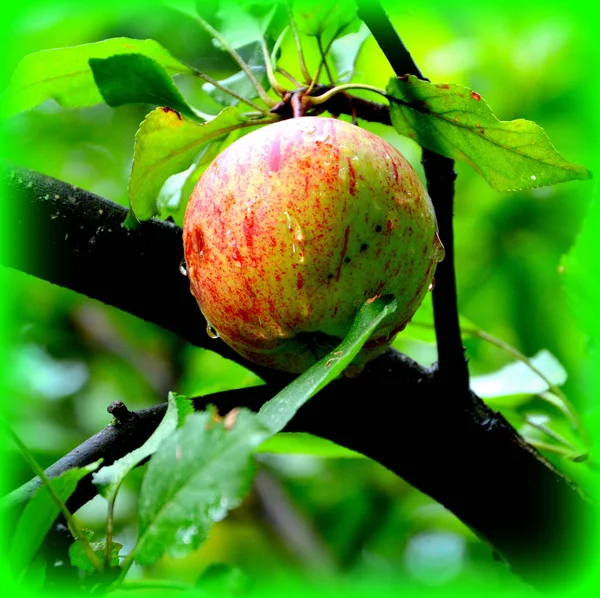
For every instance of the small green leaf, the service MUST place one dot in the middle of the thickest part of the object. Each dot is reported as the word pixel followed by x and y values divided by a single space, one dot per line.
pixel 456 122
pixel 39 515
pixel 198 474
pixel 277 412
pixel 243 23
pixel 109 478
pixel 326 19
pixel 238 83
pixel 138 79
pixel 345 51
pixel 64 74
pixel 518 378
pixel 166 144
pixel 300 443
pixel 79 558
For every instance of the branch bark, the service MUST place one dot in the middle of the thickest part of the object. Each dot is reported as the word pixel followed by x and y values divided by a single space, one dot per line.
pixel 464 455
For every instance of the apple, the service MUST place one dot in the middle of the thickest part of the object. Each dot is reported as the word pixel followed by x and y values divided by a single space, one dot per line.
pixel 294 226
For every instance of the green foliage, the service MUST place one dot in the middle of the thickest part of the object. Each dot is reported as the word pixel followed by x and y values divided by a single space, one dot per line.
pixel 277 412
pixel 39 515
pixel 456 122
pixel 508 248
pixel 201 472
pixel 64 74
pixel 326 19
pixel 79 558
pixel 138 79
pixel 109 478
pixel 167 144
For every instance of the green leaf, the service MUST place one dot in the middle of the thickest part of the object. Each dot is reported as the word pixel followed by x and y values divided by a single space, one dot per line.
pixel 79 558
pixel 326 19
pixel 240 84
pixel 456 122
pixel 277 412
pixel 166 144
pixel 175 194
pixel 138 79
pixel 109 478
pixel 345 51
pixel 198 474
pixel 300 443
pixel 244 22
pixel 518 378
pixel 64 74
pixel 39 515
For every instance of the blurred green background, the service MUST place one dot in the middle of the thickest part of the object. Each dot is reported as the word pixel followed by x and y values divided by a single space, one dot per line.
pixel 324 518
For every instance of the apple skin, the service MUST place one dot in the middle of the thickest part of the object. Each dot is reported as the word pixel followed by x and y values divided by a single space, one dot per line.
pixel 294 226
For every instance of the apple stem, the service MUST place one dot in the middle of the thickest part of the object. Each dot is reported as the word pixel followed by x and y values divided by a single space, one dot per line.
pixel 315 101
pixel 301 61
pixel 269 65
pixel 260 90
pixel 230 92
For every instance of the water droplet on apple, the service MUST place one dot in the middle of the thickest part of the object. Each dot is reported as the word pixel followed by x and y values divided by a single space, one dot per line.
pixel 211 330
pixel 183 267
pixel 439 248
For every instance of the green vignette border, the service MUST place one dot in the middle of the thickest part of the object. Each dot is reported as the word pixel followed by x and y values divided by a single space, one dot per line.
pixel 588 13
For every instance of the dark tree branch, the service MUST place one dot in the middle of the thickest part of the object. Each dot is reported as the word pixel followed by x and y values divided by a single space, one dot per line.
pixel 440 175
pixel 471 461
pixel 462 454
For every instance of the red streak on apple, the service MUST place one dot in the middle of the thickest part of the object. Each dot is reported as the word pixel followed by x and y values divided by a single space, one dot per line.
pixel 294 226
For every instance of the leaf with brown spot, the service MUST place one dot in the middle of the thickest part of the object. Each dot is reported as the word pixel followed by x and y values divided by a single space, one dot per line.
pixel 456 122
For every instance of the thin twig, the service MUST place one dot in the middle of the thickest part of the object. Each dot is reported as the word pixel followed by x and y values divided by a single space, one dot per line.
pixel 260 90
pixel 230 92
pixel 45 482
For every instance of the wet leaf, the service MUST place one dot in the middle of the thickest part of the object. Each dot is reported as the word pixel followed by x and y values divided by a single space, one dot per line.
pixel 277 412
pixel 198 474
pixel 456 122
pixel 64 74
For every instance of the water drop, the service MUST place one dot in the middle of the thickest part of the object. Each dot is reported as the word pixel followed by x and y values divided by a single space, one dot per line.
pixel 431 285
pixel 441 252
pixel 533 177
pixel 211 330
pixel 183 267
